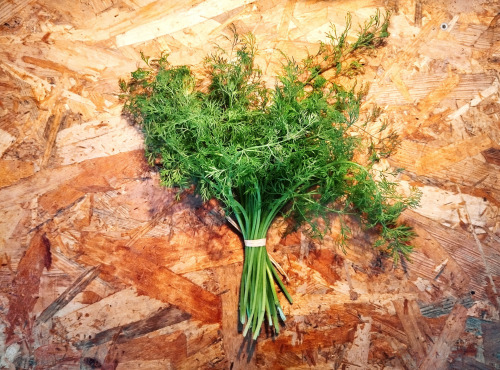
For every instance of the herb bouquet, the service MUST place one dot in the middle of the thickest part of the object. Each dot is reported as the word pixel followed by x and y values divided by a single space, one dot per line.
pixel 264 153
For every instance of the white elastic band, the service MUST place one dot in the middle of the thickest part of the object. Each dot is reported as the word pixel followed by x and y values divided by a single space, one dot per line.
pixel 255 243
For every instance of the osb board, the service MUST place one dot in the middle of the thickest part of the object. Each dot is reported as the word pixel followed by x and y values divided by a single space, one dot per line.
pixel 102 268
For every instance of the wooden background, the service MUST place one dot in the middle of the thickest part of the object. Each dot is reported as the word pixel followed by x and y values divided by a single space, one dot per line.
pixel 101 268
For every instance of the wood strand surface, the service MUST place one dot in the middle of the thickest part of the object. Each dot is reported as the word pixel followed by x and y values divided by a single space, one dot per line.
pixel 102 268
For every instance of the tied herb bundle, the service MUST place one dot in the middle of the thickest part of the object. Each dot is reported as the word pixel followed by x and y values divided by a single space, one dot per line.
pixel 264 153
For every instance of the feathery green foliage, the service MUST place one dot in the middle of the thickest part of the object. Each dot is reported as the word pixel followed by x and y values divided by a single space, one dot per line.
pixel 268 152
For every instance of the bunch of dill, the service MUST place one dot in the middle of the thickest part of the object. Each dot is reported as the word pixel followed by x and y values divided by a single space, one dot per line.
pixel 264 153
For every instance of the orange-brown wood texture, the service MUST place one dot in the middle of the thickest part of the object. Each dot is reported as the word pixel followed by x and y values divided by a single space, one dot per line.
pixel 101 267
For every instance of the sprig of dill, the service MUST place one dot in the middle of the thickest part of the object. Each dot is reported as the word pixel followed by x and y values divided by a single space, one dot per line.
pixel 268 152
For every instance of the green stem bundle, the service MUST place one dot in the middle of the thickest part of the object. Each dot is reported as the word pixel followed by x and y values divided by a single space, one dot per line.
pixel 258 298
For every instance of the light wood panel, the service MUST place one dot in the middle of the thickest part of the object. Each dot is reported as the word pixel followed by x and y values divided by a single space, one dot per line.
pixel 101 267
